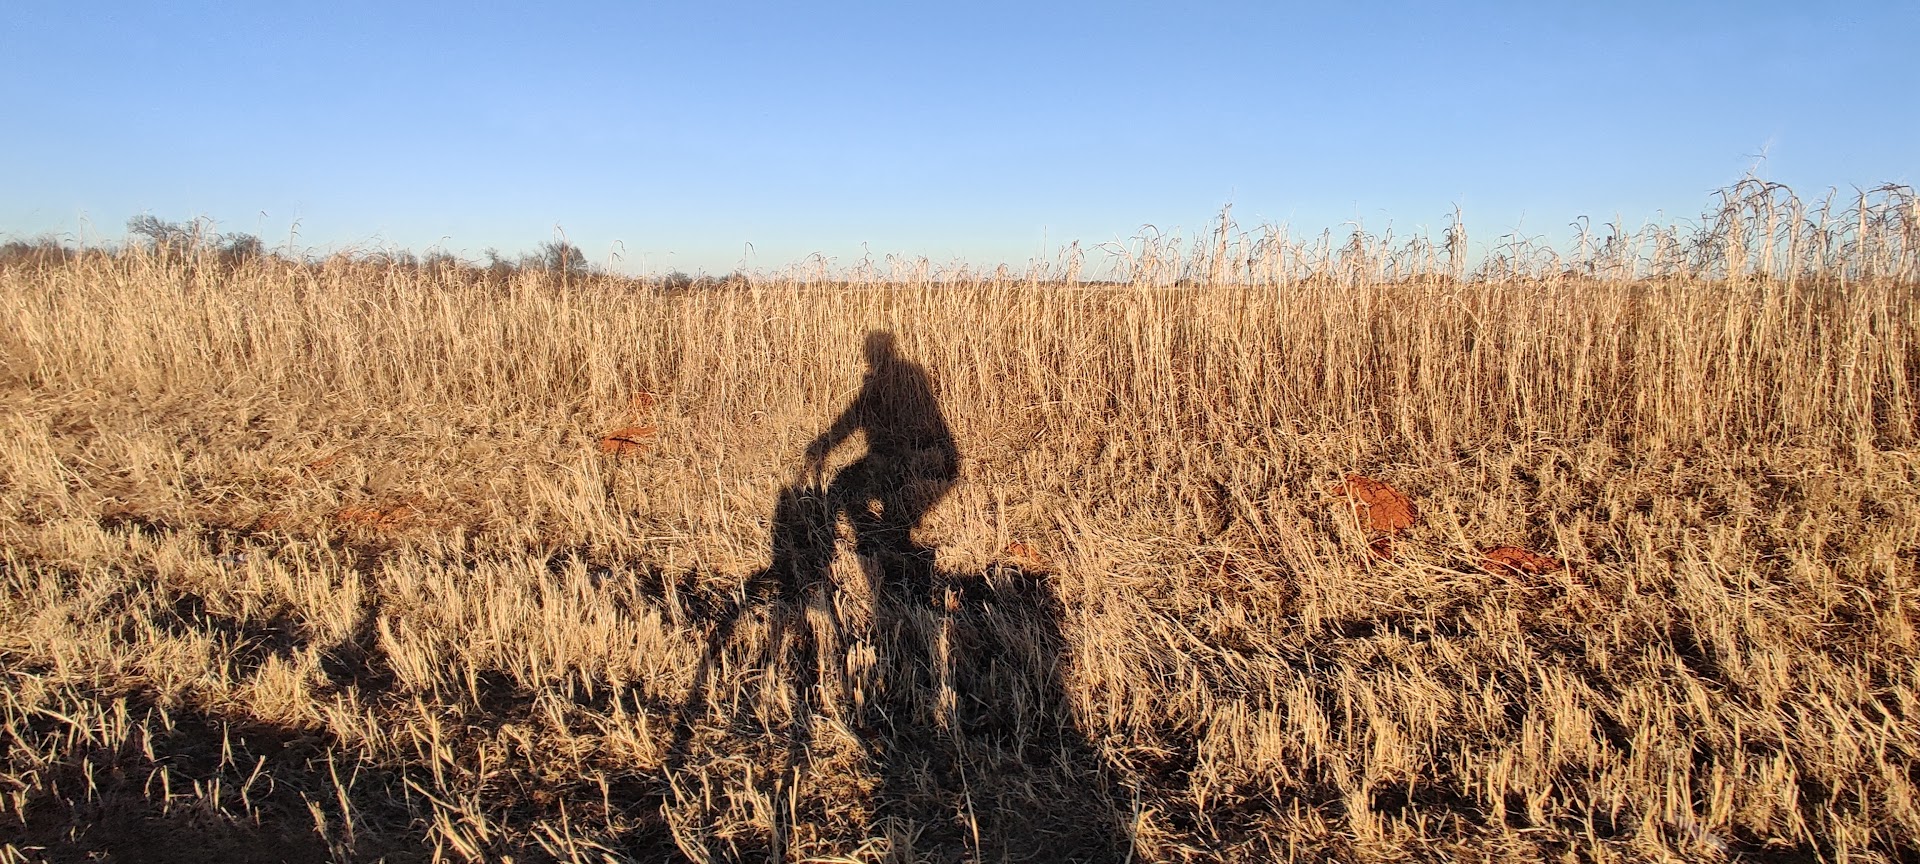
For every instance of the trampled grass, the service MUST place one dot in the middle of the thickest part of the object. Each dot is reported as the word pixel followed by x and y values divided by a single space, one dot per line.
pixel 311 560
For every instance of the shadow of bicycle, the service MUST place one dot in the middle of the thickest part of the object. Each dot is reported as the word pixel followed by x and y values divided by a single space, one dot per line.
pixel 952 683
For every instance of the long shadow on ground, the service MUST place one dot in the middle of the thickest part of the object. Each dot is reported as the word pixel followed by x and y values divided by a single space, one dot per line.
pixel 951 683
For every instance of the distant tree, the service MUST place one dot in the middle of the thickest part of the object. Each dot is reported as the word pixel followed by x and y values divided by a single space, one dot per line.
pixel 165 237
pixel 238 248
pixel 181 238
pixel 40 251
pixel 559 256
pixel 440 261
pixel 498 267
pixel 676 281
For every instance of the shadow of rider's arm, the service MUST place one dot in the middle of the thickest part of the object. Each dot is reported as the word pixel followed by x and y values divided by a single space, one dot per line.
pixel 842 428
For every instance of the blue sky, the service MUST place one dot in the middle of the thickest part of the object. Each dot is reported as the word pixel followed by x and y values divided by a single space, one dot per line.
pixel 975 131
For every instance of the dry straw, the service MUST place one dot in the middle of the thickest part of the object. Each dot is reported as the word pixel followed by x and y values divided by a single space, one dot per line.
pixel 323 559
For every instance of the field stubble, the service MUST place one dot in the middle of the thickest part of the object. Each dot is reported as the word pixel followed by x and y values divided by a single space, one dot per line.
pixel 346 561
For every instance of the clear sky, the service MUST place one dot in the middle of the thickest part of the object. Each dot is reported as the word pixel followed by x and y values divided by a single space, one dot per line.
pixel 963 130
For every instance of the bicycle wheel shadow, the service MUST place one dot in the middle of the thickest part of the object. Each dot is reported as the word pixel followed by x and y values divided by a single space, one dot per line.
pixel 952 683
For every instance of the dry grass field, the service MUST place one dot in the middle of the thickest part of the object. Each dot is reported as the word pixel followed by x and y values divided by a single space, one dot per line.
pixel 348 560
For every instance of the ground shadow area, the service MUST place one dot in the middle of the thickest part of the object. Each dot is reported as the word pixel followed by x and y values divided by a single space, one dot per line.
pixel 952 682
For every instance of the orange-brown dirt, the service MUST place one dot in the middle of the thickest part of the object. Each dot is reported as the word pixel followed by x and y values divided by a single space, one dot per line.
pixel 392 517
pixel 1023 555
pixel 1380 507
pixel 628 440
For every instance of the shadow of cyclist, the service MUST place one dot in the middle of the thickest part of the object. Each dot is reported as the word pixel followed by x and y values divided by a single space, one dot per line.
pixel 965 716
pixel 953 683
pixel 910 464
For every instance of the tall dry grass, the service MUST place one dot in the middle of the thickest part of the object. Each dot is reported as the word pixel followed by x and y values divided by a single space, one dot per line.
pixel 321 560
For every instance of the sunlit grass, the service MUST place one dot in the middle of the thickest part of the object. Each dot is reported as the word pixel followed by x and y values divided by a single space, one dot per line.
pixel 329 559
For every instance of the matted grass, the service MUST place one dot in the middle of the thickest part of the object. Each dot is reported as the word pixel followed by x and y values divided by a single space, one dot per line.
pixel 331 560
